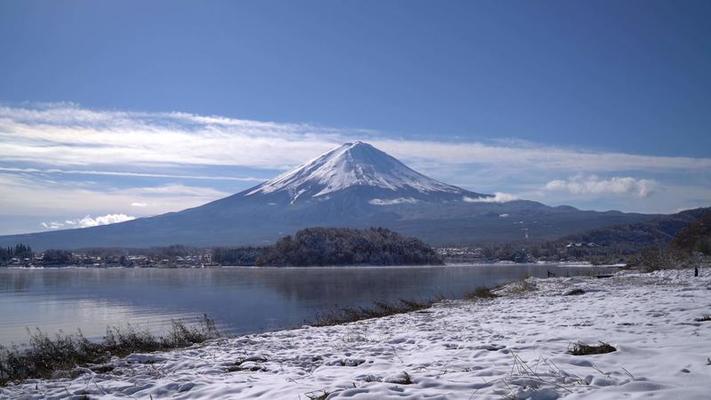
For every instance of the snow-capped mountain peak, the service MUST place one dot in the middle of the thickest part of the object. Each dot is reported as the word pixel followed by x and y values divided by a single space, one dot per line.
pixel 350 165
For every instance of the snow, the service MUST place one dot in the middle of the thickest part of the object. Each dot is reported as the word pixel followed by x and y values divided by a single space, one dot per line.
pixel 514 346
pixel 352 164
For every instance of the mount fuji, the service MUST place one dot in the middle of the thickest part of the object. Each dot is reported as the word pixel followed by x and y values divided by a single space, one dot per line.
pixel 355 165
pixel 354 185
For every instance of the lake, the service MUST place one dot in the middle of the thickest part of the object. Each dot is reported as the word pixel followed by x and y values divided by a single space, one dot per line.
pixel 240 299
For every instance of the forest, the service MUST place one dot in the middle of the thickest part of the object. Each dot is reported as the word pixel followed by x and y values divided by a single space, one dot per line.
pixel 345 246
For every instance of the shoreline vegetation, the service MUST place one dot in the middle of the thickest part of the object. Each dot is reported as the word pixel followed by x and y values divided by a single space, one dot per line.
pixel 317 246
pixel 62 354
pixel 44 356
pixel 70 354
pixel 651 245
pixel 398 327
pixel 308 247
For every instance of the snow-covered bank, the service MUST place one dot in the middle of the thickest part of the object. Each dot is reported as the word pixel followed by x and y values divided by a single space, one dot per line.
pixel 514 346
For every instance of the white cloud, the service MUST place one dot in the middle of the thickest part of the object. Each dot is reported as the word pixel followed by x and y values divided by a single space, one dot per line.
pixel 67 135
pixel 41 145
pixel 88 221
pixel 583 185
pixel 498 197
pixel 52 225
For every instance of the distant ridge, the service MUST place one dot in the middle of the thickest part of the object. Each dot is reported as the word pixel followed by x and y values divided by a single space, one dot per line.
pixel 354 185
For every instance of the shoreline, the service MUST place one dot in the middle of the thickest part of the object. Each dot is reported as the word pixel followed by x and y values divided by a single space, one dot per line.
pixel 572 264
pixel 514 345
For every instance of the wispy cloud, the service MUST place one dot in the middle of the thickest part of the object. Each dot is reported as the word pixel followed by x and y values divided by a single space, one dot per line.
pixel 29 195
pixel 128 174
pixel 88 221
pixel 68 135
pixel 56 159
pixel 595 185
pixel 517 155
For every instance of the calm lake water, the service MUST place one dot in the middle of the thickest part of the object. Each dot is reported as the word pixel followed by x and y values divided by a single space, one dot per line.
pixel 241 300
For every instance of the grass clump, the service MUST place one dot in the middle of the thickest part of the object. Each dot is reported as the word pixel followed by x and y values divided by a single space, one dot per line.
pixel 480 293
pixel 703 318
pixel 402 379
pixel 523 286
pixel 574 292
pixel 43 356
pixel 580 349
pixel 377 310
pixel 318 395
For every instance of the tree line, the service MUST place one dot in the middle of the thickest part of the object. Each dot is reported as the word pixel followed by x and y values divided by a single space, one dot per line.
pixel 347 246
pixel 19 251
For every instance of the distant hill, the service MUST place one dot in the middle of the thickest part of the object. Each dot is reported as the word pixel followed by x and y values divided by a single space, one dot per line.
pixel 343 246
pixel 621 243
pixel 659 231
pixel 696 236
pixel 354 185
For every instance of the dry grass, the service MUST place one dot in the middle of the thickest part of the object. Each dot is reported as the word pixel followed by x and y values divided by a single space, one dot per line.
pixel 703 318
pixel 536 374
pixel 377 310
pixel 574 292
pixel 318 395
pixel 480 293
pixel 523 286
pixel 44 355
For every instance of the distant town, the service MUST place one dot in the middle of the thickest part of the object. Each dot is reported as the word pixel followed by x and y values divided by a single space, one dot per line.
pixel 164 257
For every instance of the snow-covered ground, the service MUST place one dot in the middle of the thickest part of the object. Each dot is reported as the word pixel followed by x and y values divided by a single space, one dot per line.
pixel 514 346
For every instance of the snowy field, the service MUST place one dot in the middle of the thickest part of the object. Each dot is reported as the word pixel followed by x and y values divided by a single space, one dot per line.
pixel 511 347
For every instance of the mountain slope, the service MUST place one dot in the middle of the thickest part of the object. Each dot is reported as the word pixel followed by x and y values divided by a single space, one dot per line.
pixel 658 231
pixel 354 185
pixel 351 165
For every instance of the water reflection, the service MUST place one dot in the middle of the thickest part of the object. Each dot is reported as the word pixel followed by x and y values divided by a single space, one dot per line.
pixel 240 299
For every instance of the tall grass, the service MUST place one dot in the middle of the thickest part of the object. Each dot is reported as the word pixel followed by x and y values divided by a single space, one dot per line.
pixel 378 309
pixel 480 293
pixel 44 355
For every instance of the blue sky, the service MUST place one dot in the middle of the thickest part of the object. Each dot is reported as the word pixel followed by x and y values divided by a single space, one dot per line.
pixel 137 108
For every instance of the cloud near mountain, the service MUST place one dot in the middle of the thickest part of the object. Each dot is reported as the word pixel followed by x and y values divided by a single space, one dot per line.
pixel 64 159
pixel 352 185
pixel 88 221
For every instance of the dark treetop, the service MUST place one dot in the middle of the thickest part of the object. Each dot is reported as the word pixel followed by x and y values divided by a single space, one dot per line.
pixel 344 246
